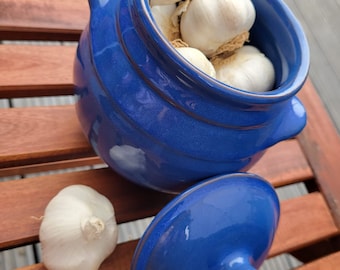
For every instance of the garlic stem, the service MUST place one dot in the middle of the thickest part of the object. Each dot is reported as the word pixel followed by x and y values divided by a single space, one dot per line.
pixel 92 228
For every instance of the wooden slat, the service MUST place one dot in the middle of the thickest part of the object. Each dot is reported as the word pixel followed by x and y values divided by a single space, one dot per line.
pixel 283 164
pixel 43 19
pixel 330 262
pixel 40 135
pixel 26 139
pixel 304 220
pixel 28 71
pixel 23 201
pixel 321 143
pixel 119 260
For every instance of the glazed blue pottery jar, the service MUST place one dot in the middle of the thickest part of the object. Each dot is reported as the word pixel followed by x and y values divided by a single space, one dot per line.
pixel 163 124
pixel 227 222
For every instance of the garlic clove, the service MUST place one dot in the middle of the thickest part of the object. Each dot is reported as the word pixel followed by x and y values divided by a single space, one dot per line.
pixel 163 17
pixel 207 25
pixel 198 59
pixel 180 9
pixel 162 2
pixel 78 230
pixel 248 69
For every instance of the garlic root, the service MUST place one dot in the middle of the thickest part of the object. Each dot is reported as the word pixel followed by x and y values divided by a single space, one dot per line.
pixel 92 228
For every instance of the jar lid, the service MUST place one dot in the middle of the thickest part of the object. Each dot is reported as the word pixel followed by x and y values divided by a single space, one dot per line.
pixel 224 222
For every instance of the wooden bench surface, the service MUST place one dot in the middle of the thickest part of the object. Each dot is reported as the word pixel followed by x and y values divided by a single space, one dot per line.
pixel 38 139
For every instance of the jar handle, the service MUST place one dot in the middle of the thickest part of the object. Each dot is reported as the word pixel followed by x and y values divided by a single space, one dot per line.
pixel 292 122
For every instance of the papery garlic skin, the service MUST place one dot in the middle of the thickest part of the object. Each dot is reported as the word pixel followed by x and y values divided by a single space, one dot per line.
pixel 162 2
pixel 207 25
pixel 78 230
pixel 248 69
pixel 163 17
pixel 198 59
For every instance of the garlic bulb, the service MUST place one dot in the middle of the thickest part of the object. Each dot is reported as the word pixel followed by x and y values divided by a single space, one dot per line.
pixel 248 69
pixel 198 59
pixel 163 17
pixel 162 2
pixel 208 25
pixel 78 230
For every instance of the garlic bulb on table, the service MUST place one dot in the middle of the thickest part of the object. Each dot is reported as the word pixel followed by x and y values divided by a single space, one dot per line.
pixel 78 230
pixel 208 25
pixel 198 59
pixel 248 69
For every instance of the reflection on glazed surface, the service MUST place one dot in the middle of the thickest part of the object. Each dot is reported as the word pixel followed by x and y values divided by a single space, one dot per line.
pixel 128 158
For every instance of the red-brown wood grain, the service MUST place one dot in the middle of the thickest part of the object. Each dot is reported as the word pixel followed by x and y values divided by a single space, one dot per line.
pixel 283 164
pixel 119 260
pixel 40 134
pixel 43 19
pixel 304 220
pixel 320 142
pixel 33 70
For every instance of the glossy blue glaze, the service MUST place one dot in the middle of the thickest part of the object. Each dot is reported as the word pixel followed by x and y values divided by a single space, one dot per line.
pixel 162 123
pixel 227 222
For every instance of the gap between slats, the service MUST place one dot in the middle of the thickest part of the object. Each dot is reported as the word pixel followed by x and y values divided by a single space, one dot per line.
pixel 51 166
pixel 330 262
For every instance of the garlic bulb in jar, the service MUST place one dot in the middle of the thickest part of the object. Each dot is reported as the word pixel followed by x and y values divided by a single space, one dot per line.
pixel 208 25
pixel 248 69
pixel 163 17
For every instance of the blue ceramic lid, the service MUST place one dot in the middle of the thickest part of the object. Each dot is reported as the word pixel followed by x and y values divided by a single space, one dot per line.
pixel 225 222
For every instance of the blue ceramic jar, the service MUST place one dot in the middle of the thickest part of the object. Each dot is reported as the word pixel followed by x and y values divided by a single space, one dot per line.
pixel 163 124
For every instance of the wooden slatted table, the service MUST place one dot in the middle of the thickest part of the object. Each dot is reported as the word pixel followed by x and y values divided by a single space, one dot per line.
pixel 38 139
